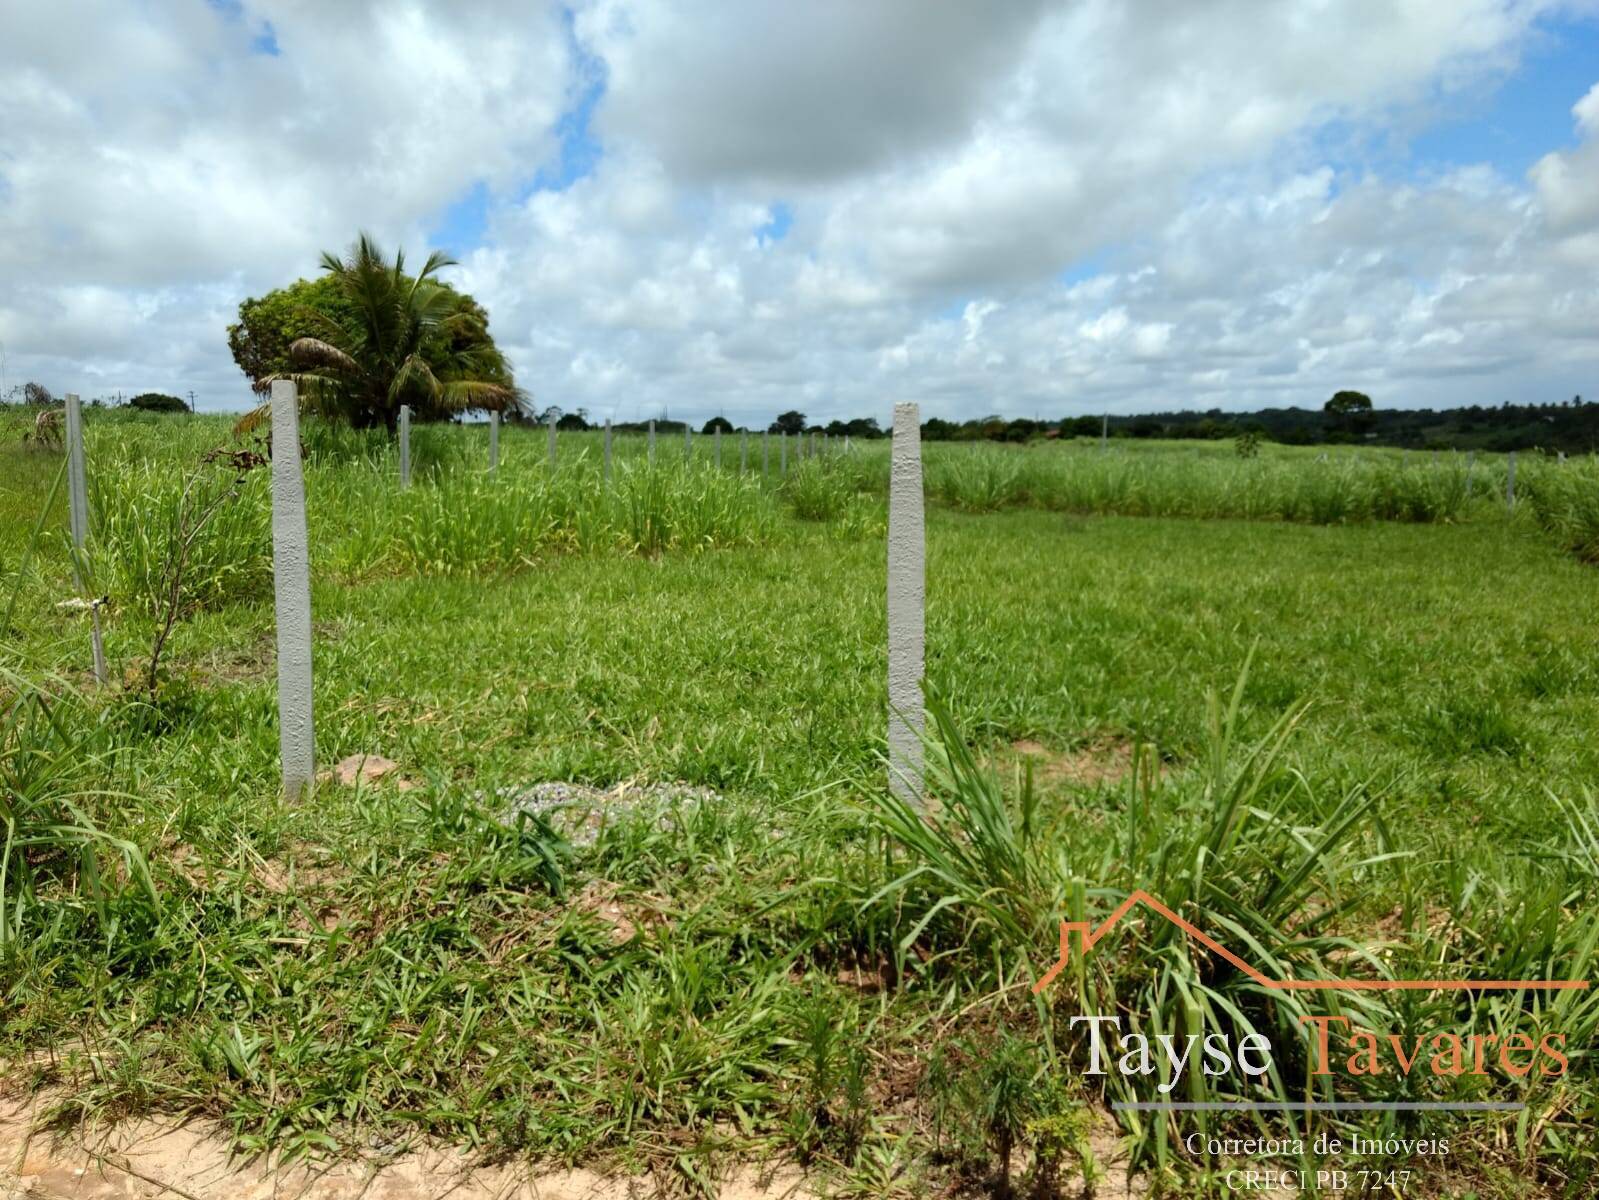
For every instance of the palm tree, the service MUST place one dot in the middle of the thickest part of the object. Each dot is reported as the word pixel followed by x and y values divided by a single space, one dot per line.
pixel 410 341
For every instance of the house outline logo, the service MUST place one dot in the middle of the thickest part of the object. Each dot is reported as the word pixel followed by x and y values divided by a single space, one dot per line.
pixel 1089 936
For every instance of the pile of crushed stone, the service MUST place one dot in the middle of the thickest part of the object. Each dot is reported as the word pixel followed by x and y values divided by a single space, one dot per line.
pixel 578 812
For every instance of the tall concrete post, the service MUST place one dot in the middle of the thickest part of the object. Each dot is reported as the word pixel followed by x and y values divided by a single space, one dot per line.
pixel 907 559
pixel 291 585
pixel 494 443
pixel 552 444
pixel 607 449
pixel 78 519
pixel 77 486
pixel 405 440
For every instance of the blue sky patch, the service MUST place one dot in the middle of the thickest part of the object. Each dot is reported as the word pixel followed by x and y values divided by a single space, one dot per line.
pixel 777 226
pixel 464 223
pixel 1528 114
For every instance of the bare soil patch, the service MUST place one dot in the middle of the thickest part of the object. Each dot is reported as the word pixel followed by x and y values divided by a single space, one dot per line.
pixel 151 1159
pixel 1103 761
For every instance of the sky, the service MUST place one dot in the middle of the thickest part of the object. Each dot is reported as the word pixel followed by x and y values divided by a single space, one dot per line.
pixel 692 208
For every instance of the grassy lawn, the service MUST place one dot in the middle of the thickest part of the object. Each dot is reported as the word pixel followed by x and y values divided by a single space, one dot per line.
pixel 737 964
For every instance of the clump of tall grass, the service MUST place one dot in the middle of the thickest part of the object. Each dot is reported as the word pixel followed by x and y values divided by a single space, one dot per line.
pixel 818 490
pixel 1244 847
pixel 142 519
pixel 981 481
pixel 991 478
pixel 1564 499
pixel 53 855
pixel 467 522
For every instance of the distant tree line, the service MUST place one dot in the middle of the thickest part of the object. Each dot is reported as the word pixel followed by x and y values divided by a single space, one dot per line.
pixel 1571 426
pixel 789 422
pixel 36 395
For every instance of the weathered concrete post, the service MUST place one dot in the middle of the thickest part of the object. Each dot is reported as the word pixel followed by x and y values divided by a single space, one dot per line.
pixel 716 440
pixel 907 586
pixel 652 442
pixel 77 485
pixel 607 475
pixel 405 440
pixel 1510 482
pixel 846 443
pixel 552 444
pixel 78 519
pixel 291 585
pixel 494 443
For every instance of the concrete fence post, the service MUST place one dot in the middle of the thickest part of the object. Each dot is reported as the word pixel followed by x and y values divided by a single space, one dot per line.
pixel 607 472
pixel 405 440
pixel 494 443
pixel 1510 482
pixel 78 519
pixel 77 486
pixel 907 586
pixel 552 444
pixel 291 586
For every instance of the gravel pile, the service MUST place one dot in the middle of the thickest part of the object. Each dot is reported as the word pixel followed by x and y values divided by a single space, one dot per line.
pixel 579 811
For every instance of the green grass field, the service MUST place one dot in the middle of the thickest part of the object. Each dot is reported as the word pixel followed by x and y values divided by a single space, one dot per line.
pixel 766 960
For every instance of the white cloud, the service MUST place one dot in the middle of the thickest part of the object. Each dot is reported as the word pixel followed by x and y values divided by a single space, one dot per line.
pixel 147 151
pixel 1001 207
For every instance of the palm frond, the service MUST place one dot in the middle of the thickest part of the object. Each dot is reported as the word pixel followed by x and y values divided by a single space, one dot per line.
pixel 459 395
pixel 314 352
pixel 316 393
pixel 414 371
pixel 257 417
